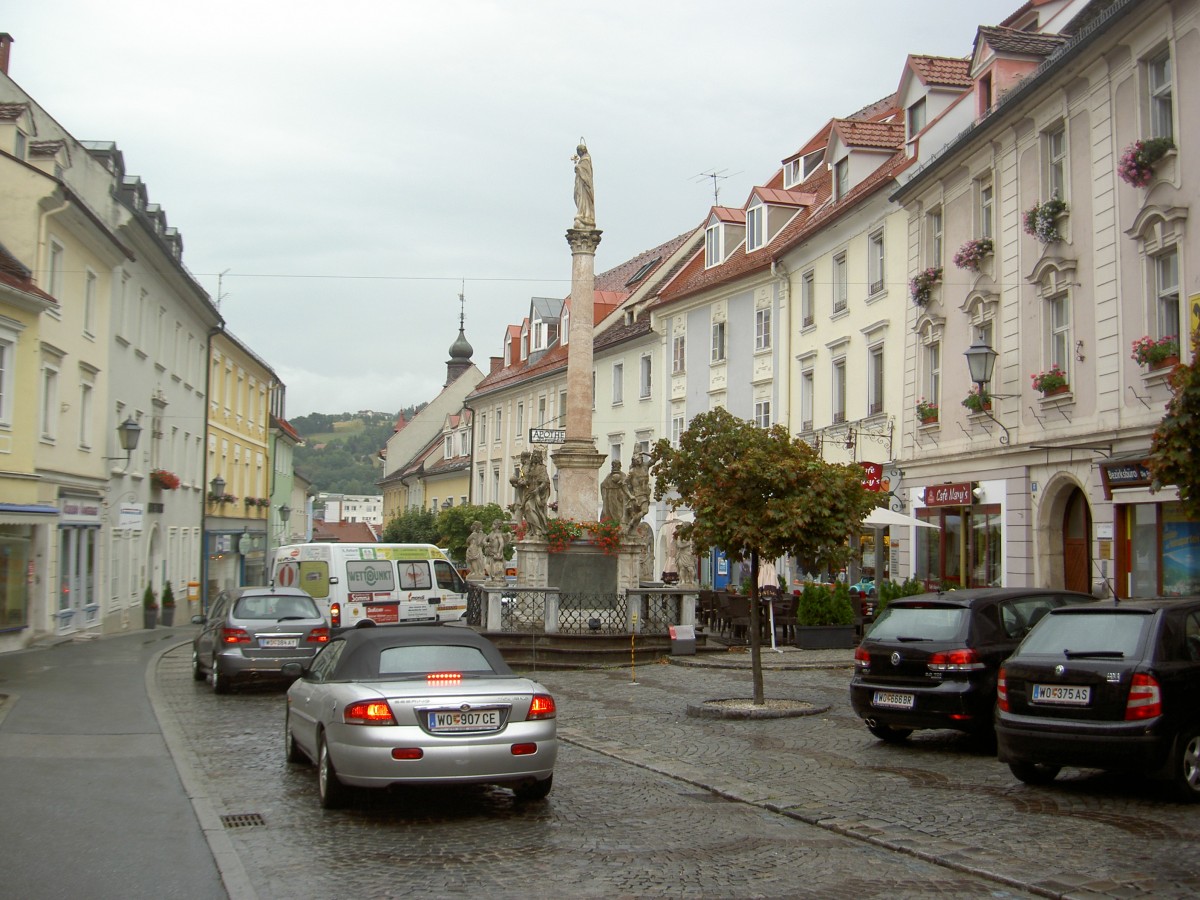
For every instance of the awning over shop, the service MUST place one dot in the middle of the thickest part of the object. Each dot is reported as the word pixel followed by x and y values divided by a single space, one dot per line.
pixel 885 518
pixel 26 513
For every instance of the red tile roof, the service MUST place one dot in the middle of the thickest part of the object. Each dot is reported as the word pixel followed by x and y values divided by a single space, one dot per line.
pixel 345 532
pixel 728 214
pixel 942 70
pixel 285 426
pixel 1025 43
pixel 777 197
pixel 870 135
pixel 16 276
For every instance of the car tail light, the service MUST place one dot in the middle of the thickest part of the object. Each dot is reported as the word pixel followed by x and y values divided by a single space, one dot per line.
pixel 407 753
pixel 235 636
pixel 368 712
pixel 966 660
pixel 862 658
pixel 318 636
pixel 1145 698
pixel 1002 692
pixel 542 707
pixel 524 749
pixel 335 615
pixel 442 679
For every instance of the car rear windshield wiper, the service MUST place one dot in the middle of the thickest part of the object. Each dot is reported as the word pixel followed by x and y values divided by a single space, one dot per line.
pixel 905 639
pixel 1094 654
pixel 291 618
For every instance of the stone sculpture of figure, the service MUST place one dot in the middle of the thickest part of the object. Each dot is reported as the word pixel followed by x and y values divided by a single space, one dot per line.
pixel 493 549
pixel 645 538
pixel 518 483
pixel 476 564
pixel 638 483
pixel 685 559
pixel 669 564
pixel 585 195
pixel 536 495
pixel 614 495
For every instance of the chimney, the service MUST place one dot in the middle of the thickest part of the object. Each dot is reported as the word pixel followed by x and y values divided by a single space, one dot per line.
pixel 6 42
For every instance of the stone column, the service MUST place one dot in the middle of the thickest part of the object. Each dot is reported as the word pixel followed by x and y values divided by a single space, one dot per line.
pixel 577 460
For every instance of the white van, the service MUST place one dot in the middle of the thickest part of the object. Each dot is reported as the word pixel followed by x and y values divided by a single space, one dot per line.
pixel 373 584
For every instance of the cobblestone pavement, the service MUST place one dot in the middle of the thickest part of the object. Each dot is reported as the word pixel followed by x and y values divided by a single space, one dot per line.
pixel 650 802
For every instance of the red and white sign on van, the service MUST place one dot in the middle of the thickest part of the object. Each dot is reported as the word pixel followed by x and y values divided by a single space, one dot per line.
pixel 286 576
pixel 958 494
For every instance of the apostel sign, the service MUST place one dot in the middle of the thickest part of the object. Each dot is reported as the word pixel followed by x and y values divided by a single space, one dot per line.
pixel 547 435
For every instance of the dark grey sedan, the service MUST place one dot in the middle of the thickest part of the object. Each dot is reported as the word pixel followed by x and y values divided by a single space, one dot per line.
pixel 253 636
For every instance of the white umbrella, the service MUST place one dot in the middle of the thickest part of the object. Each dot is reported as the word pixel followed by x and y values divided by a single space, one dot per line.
pixel 883 518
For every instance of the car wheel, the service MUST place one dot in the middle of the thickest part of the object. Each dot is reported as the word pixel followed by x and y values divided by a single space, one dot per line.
pixel 1185 773
pixel 534 790
pixel 888 733
pixel 332 792
pixel 197 672
pixel 220 683
pixel 294 753
pixel 1034 773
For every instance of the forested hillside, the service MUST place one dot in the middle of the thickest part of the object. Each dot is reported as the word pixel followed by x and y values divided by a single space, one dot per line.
pixel 341 450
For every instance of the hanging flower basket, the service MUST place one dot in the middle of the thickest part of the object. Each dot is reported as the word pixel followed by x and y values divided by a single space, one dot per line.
pixel 977 401
pixel 1041 219
pixel 921 286
pixel 1137 162
pixel 927 412
pixel 163 480
pixel 1156 354
pixel 1052 381
pixel 973 252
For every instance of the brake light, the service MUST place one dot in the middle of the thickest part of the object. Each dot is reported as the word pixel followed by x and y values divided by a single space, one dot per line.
pixel 368 712
pixel 234 636
pixel 966 660
pixel 318 636
pixel 1002 692
pixel 1145 698
pixel 862 658
pixel 403 753
pixel 335 615
pixel 443 679
pixel 523 749
pixel 542 707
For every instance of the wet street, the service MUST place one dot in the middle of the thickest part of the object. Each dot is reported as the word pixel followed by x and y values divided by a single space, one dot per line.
pixel 649 801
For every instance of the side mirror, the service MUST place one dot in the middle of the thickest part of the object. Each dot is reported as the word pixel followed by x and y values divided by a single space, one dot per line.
pixel 292 670
pixel 198 620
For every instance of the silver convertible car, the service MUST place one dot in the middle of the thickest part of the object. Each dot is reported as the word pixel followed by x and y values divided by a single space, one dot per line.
pixel 418 704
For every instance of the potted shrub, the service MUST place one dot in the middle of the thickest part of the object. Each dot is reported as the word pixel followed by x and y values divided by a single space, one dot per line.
pixel 973 252
pixel 824 618
pixel 1041 219
pixel 927 412
pixel 1052 381
pixel 168 605
pixel 1137 162
pixel 1156 354
pixel 921 287
pixel 977 400
pixel 149 607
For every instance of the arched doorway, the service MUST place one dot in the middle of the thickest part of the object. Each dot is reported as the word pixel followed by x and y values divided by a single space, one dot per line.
pixel 1077 543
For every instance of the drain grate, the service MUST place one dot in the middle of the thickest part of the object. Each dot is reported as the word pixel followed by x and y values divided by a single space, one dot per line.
pixel 243 820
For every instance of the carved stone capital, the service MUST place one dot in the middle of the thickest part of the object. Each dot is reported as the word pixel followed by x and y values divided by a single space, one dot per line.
pixel 583 240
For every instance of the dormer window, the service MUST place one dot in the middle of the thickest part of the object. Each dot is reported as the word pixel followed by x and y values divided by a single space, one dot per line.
pixel 841 178
pixel 793 172
pixel 812 162
pixel 915 118
pixel 712 246
pixel 754 228
pixel 20 145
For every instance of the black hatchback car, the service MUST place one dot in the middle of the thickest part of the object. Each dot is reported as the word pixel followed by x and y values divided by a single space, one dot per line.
pixel 1114 685
pixel 931 660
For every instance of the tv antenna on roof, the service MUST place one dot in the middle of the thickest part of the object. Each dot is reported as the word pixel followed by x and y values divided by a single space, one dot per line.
pixel 716 175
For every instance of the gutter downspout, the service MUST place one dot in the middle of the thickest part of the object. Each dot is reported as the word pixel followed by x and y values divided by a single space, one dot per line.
pixel 784 365
pixel 204 605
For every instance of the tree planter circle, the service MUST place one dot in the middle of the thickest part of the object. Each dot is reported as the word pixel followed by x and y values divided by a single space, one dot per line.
pixel 743 708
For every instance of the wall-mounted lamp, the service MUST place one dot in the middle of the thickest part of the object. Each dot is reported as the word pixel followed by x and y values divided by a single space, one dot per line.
pixel 128 433
pixel 981 362
pixel 217 488
pixel 1079 357
pixel 447 503
pixel 850 438
pixel 285 513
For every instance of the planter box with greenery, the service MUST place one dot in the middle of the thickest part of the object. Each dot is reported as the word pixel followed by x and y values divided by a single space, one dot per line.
pixel 825 618
pixel 168 605
pixel 149 607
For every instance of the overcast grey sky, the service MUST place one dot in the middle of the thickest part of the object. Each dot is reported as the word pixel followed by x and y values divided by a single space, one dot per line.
pixel 352 166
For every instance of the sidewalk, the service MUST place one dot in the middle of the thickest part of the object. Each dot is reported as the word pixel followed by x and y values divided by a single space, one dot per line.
pixel 93 803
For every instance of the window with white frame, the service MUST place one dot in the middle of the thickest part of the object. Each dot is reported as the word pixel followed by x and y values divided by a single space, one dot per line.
pixel 614 449
pixel 808 314
pixel 933 372
pixel 841 284
pixel 1166 292
pixel 677 429
pixel 754 227
pixel 762 329
pixel 541 411
pixel 839 390
pixel 914 118
pixel 646 373
pixel 562 401
pixel 87 394
pixel 812 162
pixel 1058 316
pixel 8 352
pixel 520 424
pixel 875 262
pixel 464 442
pixel 718 341
pixel 1054 143
pixel 641 446
pixel 90 283
pixel 49 407
pixel 1159 83
pixel 986 202
pixel 934 235
pixel 762 413
pixel 712 246
pixel 875 380
pixel 55 257
pixel 618 383
pixel 678 354
pixel 448 447
pixel 498 430
pixel 841 178
pixel 793 173
pixel 807 396
pixel 483 429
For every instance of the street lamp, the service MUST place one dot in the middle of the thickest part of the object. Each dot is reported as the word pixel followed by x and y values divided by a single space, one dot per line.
pixel 285 513
pixel 981 362
pixel 218 488
pixel 128 433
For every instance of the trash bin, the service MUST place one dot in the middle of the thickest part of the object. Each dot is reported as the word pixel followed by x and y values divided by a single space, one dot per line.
pixel 683 640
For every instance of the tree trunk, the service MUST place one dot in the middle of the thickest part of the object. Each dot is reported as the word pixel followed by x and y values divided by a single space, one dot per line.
pixel 755 638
